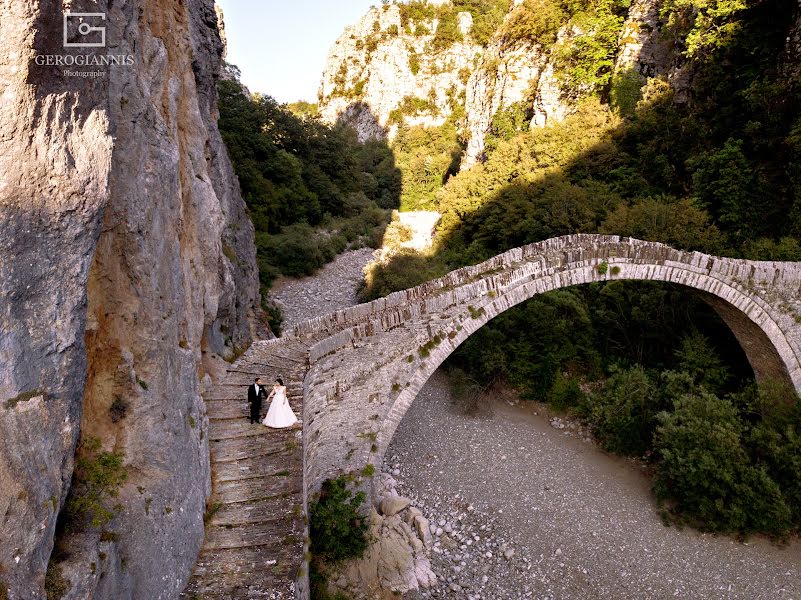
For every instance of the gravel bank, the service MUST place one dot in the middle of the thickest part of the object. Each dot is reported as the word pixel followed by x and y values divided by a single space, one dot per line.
pixel 526 509
pixel 331 288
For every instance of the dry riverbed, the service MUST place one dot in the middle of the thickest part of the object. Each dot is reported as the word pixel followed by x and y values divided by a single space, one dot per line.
pixel 526 509
pixel 523 506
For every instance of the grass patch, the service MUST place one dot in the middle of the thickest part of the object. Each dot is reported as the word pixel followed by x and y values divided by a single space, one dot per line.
pixel 23 397
pixel 56 586
pixel 368 470
pixel 142 383
pixel 108 536
pixel 97 477
pixel 211 510
pixel 475 313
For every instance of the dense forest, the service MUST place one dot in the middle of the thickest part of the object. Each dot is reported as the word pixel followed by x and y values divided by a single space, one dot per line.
pixel 716 168
pixel 312 190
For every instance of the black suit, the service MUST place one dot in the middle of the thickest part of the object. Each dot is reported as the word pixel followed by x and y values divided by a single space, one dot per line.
pixel 255 402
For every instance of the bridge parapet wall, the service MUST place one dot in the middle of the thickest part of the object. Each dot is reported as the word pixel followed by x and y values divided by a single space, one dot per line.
pixel 369 362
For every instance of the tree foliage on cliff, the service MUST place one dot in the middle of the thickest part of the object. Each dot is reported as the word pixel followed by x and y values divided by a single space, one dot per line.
pixel 311 189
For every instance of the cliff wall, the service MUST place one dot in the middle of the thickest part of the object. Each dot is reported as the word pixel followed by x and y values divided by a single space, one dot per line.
pixel 127 269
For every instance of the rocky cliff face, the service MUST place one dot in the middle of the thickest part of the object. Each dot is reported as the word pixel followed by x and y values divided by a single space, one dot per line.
pixel 127 268
pixel 374 66
pixel 377 66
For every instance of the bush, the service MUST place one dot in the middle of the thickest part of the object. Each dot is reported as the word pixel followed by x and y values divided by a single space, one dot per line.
pixel 337 530
pixel 465 391
pixel 623 412
pixel 706 474
pixel 404 270
pixel 299 249
pixel 56 586
pixel 118 409
pixel 565 392
pixel 97 477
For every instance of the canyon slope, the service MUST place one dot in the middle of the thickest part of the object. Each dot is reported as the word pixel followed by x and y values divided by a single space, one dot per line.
pixel 127 272
pixel 396 67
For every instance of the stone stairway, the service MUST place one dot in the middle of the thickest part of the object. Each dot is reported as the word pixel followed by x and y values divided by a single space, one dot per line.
pixel 255 530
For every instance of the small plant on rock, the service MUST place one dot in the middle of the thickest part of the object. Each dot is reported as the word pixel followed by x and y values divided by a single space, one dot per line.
pixel 337 530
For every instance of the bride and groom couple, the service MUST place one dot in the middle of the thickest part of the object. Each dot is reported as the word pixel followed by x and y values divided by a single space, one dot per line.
pixel 280 415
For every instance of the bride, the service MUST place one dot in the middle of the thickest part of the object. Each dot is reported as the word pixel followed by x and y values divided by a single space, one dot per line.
pixel 280 414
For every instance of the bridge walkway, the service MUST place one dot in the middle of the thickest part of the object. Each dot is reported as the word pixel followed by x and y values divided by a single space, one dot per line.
pixel 255 531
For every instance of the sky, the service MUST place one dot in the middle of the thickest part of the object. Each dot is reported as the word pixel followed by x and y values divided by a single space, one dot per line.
pixel 281 45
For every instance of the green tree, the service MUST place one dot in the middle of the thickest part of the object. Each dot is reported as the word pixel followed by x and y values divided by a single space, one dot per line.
pixel 706 474
pixel 337 529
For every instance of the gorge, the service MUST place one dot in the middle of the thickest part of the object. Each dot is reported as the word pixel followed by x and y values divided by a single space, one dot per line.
pixel 615 191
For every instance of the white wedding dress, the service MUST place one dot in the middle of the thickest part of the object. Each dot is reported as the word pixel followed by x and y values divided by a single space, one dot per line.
pixel 280 414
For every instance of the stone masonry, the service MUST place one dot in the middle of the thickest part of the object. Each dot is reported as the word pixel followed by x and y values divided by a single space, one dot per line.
pixel 366 364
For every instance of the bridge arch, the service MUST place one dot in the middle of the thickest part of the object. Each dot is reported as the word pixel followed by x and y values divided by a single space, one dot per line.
pixel 364 378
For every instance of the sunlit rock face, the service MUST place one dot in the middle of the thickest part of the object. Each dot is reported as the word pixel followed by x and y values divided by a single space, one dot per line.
pixel 375 64
pixel 382 72
pixel 127 267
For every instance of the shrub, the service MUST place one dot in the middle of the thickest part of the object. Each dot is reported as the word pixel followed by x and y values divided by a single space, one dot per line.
pixel 337 530
pixel 414 62
pixel 404 270
pixel 275 319
pixel 23 397
pixel 118 409
pixel 565 392
pixel 97 477
pixel 465 391
pixel 705 472
pixel 623 412
pixel 625 91
pixel 56 586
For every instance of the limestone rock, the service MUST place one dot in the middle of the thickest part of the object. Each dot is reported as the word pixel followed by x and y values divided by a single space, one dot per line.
pixel 395 561
pixel 126 261
pixel 393 505
pixel 378 67
pixel 375 65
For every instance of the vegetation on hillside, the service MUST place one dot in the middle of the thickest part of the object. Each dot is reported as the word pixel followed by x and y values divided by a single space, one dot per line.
pixel 312 190
pixel 651 367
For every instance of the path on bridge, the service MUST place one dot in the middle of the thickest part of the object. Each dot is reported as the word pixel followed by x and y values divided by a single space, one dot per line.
pixel 254 528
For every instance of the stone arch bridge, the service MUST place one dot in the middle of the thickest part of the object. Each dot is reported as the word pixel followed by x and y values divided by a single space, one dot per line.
pixel 355 372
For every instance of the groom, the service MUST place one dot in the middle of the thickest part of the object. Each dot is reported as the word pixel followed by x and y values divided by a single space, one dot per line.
pixel 255 394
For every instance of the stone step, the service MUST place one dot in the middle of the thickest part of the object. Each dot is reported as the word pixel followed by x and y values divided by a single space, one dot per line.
pixel 261 488
pixel 240 393
pixel 291 379
pixel 227 409
pixel 267 509
pixel 240 448
pixel 269 463
pixel 249 535
pixel 268 564
pixel 227 429
pixel 277 464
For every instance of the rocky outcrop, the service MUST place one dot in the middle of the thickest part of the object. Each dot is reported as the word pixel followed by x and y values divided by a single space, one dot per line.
pixel 381 72
pixel 127 268
pixel 793 51
pixel 375 65
pixel 396 561
pixel 646 51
